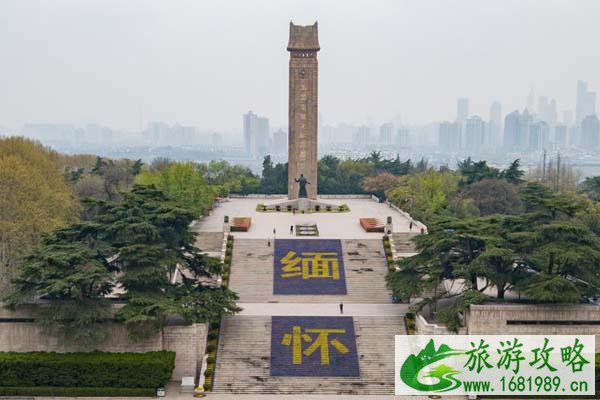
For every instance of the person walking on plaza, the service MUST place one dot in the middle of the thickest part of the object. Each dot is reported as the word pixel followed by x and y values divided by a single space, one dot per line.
pixel 291 229
pixel 410 226
pixel 341 308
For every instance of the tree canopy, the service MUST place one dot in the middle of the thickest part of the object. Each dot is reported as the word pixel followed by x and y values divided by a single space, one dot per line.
pixel 134 245
pixel 35 199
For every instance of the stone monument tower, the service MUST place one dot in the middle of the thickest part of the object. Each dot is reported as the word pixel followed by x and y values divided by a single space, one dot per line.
pixel 303 46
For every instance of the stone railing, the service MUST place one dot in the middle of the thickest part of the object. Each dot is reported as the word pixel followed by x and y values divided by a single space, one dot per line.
pixel 321 196
pixel 256 196
pixel 344 196
pixel 429 328
pixel 534 319
pixel 416 223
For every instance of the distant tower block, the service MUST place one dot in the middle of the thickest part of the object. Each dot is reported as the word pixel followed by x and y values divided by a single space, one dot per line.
pixel 303 47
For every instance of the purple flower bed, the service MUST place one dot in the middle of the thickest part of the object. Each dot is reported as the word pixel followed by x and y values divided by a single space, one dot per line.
pixel 313 346
pixel 305 266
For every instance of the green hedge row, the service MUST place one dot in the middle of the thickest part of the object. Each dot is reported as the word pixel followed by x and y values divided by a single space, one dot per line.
pixel 73 392
pixel 92 370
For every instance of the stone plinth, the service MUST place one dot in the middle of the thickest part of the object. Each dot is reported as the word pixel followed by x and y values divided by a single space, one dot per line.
pixel 303 204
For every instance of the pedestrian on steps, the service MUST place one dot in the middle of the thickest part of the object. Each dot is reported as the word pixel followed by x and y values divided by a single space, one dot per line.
pixel 291 229
pixel 341 308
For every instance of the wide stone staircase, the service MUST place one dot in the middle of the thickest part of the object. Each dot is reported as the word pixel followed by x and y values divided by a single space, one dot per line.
pixel 403 242
pixel 243 359
pixel 364 263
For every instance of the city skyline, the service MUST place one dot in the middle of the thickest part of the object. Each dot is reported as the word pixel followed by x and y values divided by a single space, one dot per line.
pixel 159 62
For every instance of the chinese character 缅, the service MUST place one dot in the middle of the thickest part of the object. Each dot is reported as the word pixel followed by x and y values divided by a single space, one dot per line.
pixel 321 342
pixel 572 355
pixel 311 265
pixel 478 357
pixel 511 353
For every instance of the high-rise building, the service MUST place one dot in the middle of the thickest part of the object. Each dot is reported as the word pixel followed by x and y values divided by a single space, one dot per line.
pixel 560 135
pixel 263 136
pixel 403 137
pixel 547 110
pixel 280 142
pixel 385 134
pixel 568 117
pixel 590 132
pixel 256 134
pixel 574 136
pixel 516 130
pixel 586 102
pixel 538 136
pixel 157 133
pixel 216 139
pixel 449 136
pixel 462 110
pixel 361 136
pixel 494 126
pixel 180 135
pixel 474 133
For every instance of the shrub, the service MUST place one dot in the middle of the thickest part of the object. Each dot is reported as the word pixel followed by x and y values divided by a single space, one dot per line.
pixel 207 386
pixel 213 335
pixel 210 359
pixel 449 317
pixel 92 370
pixel 208 372
pixel 210 348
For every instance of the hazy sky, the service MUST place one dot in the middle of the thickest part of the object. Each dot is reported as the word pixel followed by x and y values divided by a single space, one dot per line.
pixel 204 63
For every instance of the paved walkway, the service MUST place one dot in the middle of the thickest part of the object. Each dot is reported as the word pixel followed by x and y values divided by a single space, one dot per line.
pixel 220 396
pixel 323 309
pixel 331 225
pixel 173 394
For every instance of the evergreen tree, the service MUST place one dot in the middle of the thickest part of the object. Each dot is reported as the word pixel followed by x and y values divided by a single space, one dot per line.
pixel 145 238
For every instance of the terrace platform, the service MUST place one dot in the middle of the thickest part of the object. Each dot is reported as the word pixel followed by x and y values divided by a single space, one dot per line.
pixel 338 225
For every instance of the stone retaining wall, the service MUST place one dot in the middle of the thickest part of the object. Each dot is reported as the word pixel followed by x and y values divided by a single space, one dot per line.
pixel 424 327
pixel 18 333
pixel 527 319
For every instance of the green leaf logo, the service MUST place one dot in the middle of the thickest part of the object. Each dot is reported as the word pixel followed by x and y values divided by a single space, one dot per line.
pixel 409 372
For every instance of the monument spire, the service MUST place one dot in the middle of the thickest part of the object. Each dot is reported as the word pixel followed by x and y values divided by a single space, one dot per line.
pixel 303 46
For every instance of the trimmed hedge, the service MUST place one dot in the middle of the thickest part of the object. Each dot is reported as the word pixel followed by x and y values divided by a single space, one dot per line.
pixel 86 370
pixel 77 391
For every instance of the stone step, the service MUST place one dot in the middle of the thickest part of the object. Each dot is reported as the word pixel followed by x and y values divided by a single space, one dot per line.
pixel 403 242
pixel 364 263
pixel 243 361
